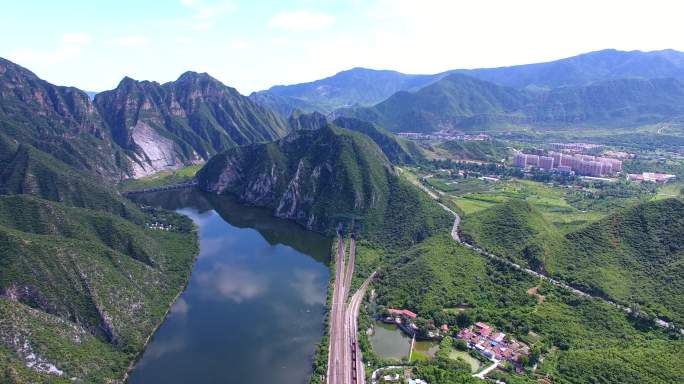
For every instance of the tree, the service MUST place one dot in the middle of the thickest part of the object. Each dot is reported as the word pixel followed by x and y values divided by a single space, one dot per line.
pixel 461 345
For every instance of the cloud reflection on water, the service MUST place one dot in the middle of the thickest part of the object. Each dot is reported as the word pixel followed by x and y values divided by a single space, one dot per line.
pixel 231 282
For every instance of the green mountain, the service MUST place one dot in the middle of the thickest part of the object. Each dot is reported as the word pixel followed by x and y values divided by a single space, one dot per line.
pixel 583 340
pixel 357 86
pixel 134 130
pixel 83 281
pixel 61 121
pixel 322 177
pixel 463 103
pixel 397 150
pixel 82 290
pixel 285 106
pixel 633 256
pixel 483 150
pixel 183 122
pixel 367 87
pixel 300 120
pixel 587 68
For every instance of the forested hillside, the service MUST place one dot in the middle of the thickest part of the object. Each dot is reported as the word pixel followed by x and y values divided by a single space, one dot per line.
pixel 322 177
pixel 582 340
pixel 633 256
pixel 462 103
pixel 83 280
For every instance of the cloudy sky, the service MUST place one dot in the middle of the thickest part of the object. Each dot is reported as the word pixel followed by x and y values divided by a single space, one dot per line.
pixel 252 45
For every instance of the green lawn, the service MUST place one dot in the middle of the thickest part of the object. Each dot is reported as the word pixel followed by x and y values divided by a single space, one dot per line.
pixel 463 355
pixel 162 178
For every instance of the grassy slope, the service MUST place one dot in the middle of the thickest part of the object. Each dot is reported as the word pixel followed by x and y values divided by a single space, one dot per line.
pixel 487 150
pixel 591 339
pixel 73 248
pixel 108 276
pixel 397 150
pixel 160 179
pixel 632 256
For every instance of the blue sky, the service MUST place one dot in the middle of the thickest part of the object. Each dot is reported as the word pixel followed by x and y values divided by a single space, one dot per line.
pixel 252 45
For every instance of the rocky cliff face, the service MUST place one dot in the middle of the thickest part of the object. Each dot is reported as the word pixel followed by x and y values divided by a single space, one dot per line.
pixel 322 177
pixel 310 176
pixel 61 121
pixel 183 122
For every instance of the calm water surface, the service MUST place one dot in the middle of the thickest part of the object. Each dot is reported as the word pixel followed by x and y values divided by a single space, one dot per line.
pixel 389 342
pixel 253 310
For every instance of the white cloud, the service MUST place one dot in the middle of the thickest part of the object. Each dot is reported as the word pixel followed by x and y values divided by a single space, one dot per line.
pixel 207 13
pixel 203 26
pixel 231 283
pixel 69 47
pixel 129 41
pixel 301 20
pixel 183 40
pixel 76 38
pixel 239 44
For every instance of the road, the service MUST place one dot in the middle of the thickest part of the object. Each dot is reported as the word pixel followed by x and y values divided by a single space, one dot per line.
pixel 483 373
pixel 560 284
pixel 357 372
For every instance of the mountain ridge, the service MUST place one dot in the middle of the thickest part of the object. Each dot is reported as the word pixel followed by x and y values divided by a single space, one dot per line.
pixel 460 102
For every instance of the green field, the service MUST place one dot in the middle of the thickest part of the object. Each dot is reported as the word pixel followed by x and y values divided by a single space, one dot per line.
pixel 162 178
pixel 463 355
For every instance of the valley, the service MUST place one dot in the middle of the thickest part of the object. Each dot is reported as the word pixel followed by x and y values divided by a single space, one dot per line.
pixel 519 224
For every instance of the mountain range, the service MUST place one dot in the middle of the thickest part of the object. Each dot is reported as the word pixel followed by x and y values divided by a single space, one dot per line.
pixel 463 103
pixel 139 128
pixel 85 280
pixel 367 87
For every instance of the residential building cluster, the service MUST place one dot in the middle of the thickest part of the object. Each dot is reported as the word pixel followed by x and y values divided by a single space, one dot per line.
pixel 658 178
pixel 566 163
pixel 159 226
pixel 492 343
pixel 443 135
pixel 574 147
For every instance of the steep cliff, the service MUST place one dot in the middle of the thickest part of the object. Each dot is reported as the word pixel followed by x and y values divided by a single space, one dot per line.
pixel 61 121
pixel 322 177
pixel 182 122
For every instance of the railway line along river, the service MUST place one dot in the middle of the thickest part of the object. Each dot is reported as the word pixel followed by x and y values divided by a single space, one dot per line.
pixel 254 308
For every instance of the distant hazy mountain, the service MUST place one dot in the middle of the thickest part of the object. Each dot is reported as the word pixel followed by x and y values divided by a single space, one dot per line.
pixel 462 103
pixel 587 68
pixel 365 87
pixel 184 121
pixel 357 86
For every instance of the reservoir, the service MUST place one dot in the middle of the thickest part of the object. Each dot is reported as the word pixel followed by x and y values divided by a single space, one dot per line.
pixel 253 310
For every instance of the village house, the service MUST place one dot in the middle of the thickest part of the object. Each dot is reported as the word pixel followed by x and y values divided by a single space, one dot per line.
pixel 492 343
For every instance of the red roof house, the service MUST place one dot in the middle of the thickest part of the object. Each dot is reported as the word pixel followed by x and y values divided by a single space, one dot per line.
pixel 402 312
